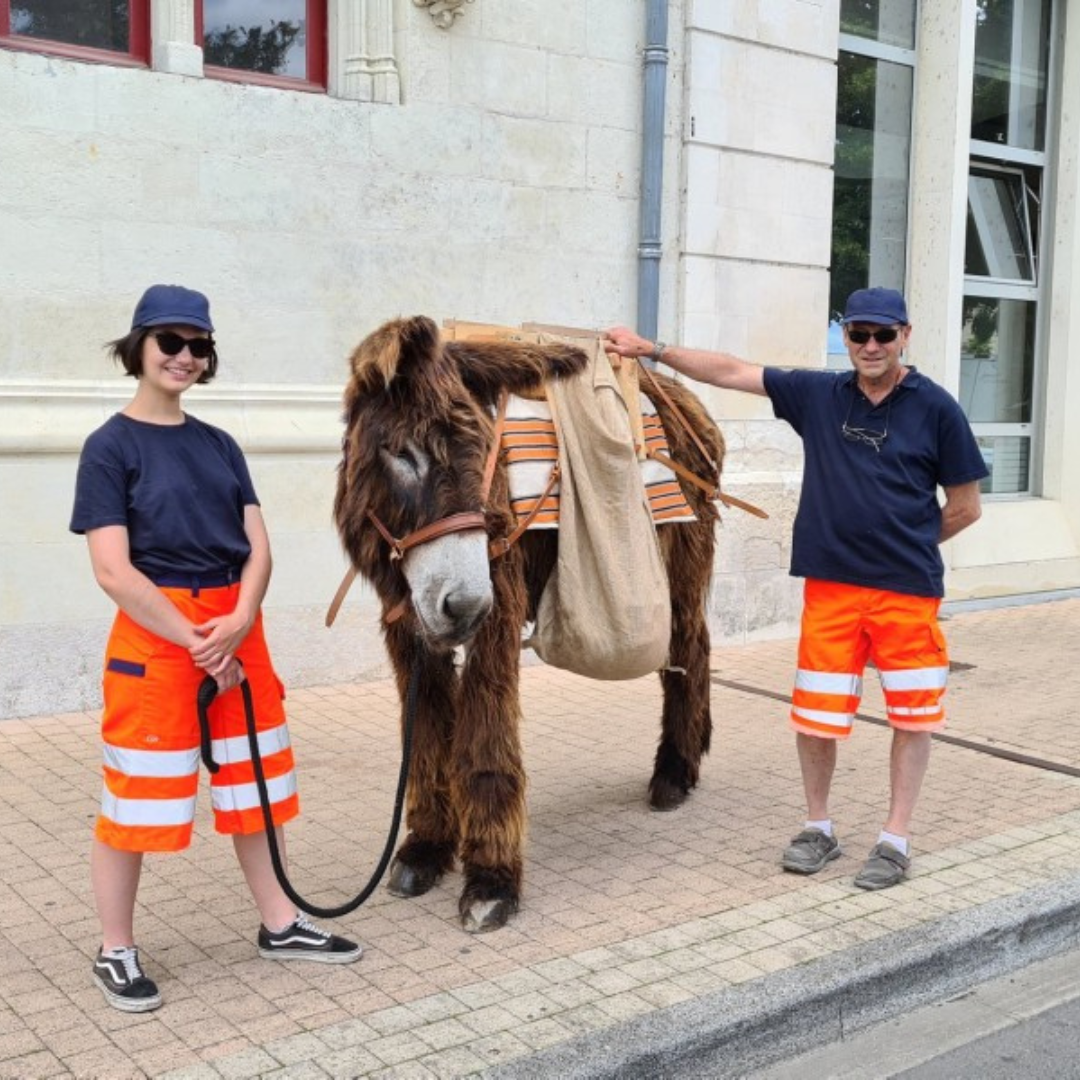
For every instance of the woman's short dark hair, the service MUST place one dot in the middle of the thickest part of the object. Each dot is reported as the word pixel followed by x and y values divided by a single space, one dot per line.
pixel 128 350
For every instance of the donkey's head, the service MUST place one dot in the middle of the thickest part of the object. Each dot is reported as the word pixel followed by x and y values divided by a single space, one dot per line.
pixel 419 431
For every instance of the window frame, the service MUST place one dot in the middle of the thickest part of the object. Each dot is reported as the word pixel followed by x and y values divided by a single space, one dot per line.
pixel 137 55
pixel 316 55
pixel 1005 157
pixel 836 357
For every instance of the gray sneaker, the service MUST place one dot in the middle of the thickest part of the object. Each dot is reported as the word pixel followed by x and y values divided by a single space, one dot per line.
pixel 810 851
pixel 885 867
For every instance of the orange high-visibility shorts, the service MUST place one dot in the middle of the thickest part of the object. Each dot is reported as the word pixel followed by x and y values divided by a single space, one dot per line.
pixel 845 625
pixel 150 730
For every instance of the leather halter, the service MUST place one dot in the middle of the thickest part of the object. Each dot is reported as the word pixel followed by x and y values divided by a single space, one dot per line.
pixel 466 521
pixel 461 522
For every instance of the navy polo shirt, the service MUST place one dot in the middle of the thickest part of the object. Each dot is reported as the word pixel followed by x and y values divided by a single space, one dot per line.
pixel 179 489
pixel 871 517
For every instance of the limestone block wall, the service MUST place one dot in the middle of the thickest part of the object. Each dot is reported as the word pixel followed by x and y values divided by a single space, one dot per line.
pixel 488 170
pixel 758 130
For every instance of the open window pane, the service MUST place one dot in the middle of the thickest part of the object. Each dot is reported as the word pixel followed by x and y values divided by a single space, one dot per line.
pixel 891 22
pixel 997 360
pixel 265 36
pixel 1012 44
pixel 999 240
pixel 93 24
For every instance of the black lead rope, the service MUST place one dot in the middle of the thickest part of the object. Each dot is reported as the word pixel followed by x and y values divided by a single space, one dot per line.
pixel 208 691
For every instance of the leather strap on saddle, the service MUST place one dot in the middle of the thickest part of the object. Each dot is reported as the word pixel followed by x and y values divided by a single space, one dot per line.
pixel 712 490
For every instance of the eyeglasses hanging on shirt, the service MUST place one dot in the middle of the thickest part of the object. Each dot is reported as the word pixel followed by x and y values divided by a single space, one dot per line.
pixel 867 436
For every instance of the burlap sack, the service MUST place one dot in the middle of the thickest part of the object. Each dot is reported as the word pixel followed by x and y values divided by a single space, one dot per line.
pixel 605 611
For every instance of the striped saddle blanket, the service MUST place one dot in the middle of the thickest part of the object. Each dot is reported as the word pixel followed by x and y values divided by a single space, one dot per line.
pixel 532 449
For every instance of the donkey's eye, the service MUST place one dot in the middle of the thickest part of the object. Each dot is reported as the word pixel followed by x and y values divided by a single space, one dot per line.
pixel 409 464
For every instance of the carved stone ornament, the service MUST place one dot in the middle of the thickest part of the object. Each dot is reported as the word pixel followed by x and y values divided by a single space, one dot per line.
pixel 443 12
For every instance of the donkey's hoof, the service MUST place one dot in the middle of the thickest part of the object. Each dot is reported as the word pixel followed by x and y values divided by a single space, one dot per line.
pixel 484 915
pixel 406 880
pixel 664 795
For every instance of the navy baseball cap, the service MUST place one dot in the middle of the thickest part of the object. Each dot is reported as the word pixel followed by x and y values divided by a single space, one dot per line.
pixel 164 305
pixel 877 305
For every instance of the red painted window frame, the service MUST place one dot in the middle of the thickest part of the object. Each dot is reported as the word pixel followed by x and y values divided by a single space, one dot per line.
pixel 138 54
pixel 317 47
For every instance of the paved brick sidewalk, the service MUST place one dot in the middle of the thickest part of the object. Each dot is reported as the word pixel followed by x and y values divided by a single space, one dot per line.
pixel 626 911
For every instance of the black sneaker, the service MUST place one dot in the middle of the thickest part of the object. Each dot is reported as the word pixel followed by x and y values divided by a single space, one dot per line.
pixel 122 981
pixel 303 940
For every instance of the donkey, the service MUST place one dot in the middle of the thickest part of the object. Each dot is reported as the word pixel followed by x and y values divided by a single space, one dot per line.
pixel 417 456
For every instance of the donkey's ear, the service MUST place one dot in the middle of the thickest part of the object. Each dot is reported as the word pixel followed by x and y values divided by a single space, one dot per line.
pixel 395 349
pixel 488 367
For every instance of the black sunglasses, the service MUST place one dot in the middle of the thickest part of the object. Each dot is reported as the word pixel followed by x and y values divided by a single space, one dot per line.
pixel 885 336
pixel 201 348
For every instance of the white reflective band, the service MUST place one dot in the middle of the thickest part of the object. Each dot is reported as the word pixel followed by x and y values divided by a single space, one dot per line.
pixel 819 716
pixel 233 797
pixel 828 682
pixel 169 812
pixel 927 678
pixel 230 751
pixel 925 710
pixel 156 763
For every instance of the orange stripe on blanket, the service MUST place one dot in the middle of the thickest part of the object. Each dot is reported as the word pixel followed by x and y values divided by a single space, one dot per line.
pixel 531 448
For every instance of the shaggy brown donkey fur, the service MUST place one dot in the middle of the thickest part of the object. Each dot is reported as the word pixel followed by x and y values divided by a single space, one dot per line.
pixel 419 427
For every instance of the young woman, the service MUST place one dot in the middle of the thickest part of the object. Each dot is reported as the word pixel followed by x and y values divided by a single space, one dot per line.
pixel 177 541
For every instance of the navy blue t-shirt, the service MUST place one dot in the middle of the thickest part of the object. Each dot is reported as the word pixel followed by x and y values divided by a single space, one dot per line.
pixel 871 517
pixel 180 490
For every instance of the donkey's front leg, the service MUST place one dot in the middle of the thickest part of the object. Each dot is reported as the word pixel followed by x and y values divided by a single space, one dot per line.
pixel 489 777
pixel 428 850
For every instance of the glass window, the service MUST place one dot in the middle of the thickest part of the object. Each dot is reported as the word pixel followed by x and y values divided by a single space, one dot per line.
pixel 264 37
pixel 1008 458
pixel 1012 44
pixel 997 360
pixel 997 372
pixel 870 184
pixel 891 23
pixel 115 26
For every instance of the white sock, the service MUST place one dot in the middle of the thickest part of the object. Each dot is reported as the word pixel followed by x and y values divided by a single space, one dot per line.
pixel 824 826
pixel 901 843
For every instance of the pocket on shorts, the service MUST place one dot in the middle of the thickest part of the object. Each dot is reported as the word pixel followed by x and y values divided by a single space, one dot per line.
pixel 169 717
pixel 938 643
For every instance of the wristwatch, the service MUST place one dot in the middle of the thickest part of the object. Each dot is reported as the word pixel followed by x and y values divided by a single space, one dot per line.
pixel 657 352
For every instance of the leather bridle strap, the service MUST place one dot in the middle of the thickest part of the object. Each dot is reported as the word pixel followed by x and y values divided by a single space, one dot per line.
pixel 463 522
pixel 339 596
pixel 496 447
pixel 472 519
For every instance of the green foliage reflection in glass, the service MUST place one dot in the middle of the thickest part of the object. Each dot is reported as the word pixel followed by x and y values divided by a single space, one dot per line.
pixel 891 24
pixel 251 48
pixel 1008 102
pixel 94 24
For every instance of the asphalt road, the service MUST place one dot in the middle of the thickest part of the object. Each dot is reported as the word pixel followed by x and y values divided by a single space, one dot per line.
pixel 1017 1027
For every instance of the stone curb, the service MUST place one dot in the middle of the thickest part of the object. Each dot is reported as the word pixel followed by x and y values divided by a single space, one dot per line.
pixel 732 1032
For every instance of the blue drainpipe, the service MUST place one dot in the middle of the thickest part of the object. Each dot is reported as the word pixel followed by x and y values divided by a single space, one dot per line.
pixel 655 58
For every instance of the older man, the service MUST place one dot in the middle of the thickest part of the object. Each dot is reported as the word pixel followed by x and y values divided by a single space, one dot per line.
pixel 878 443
